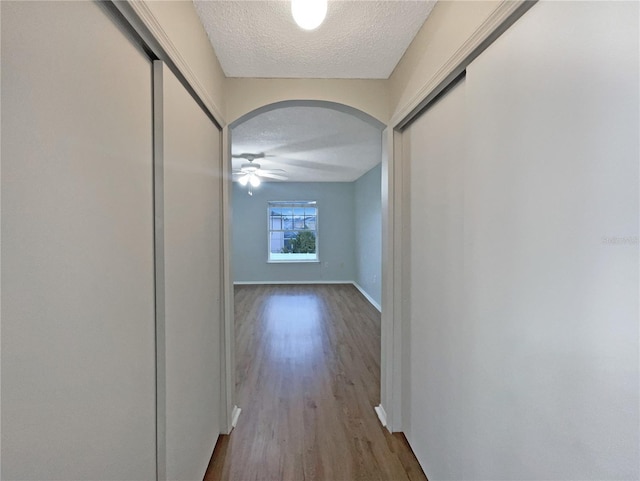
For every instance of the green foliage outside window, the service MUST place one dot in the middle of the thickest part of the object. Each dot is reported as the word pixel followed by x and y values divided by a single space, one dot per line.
pixel 303 243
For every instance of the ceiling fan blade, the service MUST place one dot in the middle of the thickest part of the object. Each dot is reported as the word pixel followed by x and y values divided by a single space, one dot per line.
pixel 273 171
pixel 309 165
pixel 248 156
pixel 268 175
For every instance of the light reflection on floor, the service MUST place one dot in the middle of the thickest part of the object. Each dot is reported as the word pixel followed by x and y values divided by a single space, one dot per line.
pixel 293 327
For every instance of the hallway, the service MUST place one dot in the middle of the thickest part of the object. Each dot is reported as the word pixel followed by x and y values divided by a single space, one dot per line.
pixel 308 377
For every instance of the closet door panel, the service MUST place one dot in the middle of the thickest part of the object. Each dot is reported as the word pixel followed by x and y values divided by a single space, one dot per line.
pixel 523 239
pixel 78 388
pixel 438 336
pixel 193 280
pixel 551 252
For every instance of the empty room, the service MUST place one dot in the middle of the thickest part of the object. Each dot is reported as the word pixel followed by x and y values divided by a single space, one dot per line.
pixel 322 240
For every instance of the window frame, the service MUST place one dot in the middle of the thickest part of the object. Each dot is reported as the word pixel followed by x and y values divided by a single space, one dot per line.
pixel 293 204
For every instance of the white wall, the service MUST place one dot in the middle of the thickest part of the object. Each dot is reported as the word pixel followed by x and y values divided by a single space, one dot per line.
pixel 77 247
pixel 192 229
pixel 336 233
pixel 523 331
pixel 368 233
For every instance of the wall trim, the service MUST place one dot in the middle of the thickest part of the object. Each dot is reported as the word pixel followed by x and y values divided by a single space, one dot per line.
pixel 227 280
pixel 393 277
pixel 368 297
pixel 493 26
pixel 235 416
pixel 159 272
pixel 261 283
pixel 382 414
pixel 145 23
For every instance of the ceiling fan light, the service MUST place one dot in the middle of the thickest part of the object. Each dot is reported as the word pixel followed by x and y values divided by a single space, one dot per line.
pixel 243 180
pixel 309 14
pixel 254 180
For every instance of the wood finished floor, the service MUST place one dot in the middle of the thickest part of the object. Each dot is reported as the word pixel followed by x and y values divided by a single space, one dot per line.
pixel 308 378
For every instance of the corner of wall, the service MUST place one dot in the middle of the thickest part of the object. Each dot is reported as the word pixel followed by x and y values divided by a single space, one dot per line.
pixel 176 28
pixel 449 26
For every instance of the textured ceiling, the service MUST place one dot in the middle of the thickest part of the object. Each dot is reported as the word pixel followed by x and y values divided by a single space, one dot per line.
pixel 310 143
pixel 358 39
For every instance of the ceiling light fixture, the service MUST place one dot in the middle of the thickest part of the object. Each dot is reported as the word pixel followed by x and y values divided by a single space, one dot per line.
pixel 251 180
pixel 250 173
pixel 309 14
pixel 254 180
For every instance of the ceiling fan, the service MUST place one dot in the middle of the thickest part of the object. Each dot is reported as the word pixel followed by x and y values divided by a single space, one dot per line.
pixel 250 172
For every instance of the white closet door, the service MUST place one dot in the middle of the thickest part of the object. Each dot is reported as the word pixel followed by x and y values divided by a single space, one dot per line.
pixel 437 337
pixel 77 247
pixel 551 258
pixel 193 280
pixel 523 359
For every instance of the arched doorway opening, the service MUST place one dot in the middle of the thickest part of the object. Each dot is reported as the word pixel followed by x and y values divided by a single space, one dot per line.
pixel 314 147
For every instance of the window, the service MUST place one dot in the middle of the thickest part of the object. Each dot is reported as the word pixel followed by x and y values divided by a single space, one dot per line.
pixel 293 229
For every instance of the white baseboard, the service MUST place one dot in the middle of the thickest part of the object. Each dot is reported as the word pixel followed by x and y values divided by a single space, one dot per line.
pixel 382 415
pixel 369 298
pixel 320 282
pixel 235 414
pixel 257 283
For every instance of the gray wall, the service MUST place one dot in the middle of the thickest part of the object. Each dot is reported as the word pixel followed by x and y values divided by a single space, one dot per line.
pixel 522 345
pixel 336 233
pixel 368 240
pixel 349 235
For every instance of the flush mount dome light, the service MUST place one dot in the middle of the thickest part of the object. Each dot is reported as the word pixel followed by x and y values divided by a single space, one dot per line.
pixel 309 14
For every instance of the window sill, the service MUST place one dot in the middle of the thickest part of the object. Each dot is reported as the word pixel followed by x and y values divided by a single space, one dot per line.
pixel 294 261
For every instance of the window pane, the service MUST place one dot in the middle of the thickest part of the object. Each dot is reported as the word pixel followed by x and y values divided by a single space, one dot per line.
pixel 276 223
pixel 277 242
pixel 311 222
pixel 287 222
pixel 304 242
pixel 289 239
pixel 292 231
pixel 298 218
